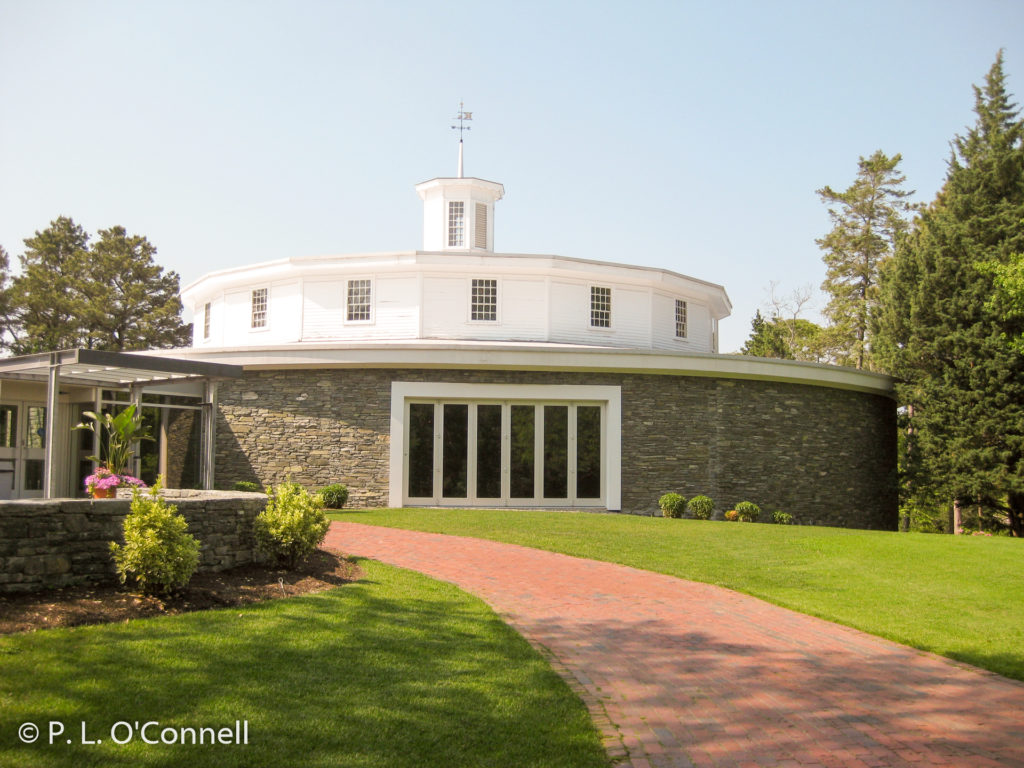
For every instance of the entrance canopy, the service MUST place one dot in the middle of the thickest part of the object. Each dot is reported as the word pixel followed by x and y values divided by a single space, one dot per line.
pixel 116 370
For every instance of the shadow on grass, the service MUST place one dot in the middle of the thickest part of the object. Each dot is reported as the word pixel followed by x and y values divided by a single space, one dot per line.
pixel 395 670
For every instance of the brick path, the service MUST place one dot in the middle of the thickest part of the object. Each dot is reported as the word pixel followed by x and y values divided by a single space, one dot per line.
pixel 678 673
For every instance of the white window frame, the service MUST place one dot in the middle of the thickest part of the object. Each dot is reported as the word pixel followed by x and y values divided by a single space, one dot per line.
pixel 609 397
pixel 206 321
pixel 265 325
pixel 456 224
pixel 685 306
pixel 591 309
pixel 497 301
pixel 348 295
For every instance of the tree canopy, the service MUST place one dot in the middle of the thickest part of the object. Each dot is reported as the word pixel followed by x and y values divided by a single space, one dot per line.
pixel 945 329
pixel 867 219
pixel 110 295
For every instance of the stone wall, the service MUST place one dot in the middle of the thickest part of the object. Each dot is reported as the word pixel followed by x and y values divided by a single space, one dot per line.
pixel 824 455
pixel 61 542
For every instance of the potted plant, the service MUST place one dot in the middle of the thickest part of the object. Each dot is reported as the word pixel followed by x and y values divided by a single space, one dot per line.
pixel 120 432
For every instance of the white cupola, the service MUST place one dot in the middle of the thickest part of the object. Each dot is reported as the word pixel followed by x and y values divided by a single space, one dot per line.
pixel 458 213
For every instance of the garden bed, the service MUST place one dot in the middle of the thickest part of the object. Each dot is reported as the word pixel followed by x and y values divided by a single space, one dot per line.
pixel 95 604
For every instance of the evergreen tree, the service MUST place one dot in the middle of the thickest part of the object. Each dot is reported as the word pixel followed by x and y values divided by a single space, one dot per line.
pixel 47 295
pixel 939 331
pixel 867 219
pixel 110 296
pixel 132 304
pixel 7 321
pixel 766 340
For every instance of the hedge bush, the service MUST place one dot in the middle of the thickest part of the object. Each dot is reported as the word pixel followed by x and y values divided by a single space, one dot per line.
pixel 672 505
pixel 701 507
pixel 782 518
pixel 748 511
pixel 158 552
pixel 334 495
pixel 732 515
pixel 292 525
pixel 248 486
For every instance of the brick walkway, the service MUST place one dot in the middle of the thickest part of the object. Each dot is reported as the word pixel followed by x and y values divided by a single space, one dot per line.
pixel 678 673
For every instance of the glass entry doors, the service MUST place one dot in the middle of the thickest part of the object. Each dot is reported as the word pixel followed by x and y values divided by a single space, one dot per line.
pixel 507 453
pixel 22 450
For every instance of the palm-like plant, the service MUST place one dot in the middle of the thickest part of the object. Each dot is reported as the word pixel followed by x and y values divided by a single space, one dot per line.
pixel 121 431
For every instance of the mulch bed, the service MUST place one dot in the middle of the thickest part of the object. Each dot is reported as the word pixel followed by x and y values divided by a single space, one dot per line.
pixel 74 606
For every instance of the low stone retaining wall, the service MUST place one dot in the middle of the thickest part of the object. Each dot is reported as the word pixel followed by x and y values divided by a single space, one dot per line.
pixel 47 543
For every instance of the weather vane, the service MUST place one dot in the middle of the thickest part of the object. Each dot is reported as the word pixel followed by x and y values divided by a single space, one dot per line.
pixel 462 117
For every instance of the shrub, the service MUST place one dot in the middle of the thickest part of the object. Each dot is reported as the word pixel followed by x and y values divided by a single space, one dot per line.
pixel 334 495
pixel 158 552
pixel 732 515
pixel 748 512
pixel 701 507
pixel 782 518
pixel 672 505
pixel 248 486
pixel 292 525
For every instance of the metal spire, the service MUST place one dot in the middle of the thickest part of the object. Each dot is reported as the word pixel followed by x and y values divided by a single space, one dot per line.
pixel 462 117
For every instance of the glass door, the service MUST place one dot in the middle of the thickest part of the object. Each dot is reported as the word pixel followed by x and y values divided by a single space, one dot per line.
pixel 22 450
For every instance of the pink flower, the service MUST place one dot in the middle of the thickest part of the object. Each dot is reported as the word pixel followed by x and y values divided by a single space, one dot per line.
pixel 103 479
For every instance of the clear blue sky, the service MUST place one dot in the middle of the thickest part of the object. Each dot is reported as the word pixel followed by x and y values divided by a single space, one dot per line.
pixel 684 135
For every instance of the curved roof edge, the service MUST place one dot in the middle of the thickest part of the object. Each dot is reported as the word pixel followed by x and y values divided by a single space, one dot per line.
pixel 438 257
pixel 528 356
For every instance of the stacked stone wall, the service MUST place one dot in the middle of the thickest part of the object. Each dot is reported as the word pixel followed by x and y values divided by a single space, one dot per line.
pixel 824 455
pixel 64 542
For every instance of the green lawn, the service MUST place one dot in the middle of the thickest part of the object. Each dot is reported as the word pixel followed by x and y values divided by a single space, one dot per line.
pixel 394 670
pixel 959 596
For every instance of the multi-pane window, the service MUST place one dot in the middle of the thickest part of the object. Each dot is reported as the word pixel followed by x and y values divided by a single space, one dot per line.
pixel 480 226
pixel 680 319
pixel 484 300
pixel 358 301
pixel 206 321
pixel 259 308
pixel 456 223
pixel 600 307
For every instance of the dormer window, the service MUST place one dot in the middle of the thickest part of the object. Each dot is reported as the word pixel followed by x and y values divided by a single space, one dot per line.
pixel 680 319
pixel 259 308
pixel 358 301
pixel 600 307
pixel 456 224
pixel 484 300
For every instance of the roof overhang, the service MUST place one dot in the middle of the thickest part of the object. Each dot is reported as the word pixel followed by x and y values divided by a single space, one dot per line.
pixel 96 368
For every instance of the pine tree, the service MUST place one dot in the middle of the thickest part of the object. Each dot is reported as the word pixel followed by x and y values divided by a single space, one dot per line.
pixel 110 296
pixel 867 219
pixel 47 295
pixel 7 321
pixel 132 304
pixel 941 334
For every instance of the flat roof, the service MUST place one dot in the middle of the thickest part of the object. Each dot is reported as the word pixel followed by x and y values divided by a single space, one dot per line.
pixel 98 368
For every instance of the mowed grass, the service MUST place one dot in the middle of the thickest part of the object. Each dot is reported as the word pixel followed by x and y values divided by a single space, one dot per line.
pixel 394 670
pixel 958 596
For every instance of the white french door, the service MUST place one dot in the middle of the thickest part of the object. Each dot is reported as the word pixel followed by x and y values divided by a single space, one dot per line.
pixel 504 453
pixel 22 449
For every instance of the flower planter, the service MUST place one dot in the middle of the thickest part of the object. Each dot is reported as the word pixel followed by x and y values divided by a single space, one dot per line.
pixel 104 493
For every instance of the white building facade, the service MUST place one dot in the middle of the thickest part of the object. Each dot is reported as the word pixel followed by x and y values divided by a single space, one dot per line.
pixel 456 375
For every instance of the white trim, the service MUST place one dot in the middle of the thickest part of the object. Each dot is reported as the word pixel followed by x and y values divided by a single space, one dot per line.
pixel 531 356
pixel 609 396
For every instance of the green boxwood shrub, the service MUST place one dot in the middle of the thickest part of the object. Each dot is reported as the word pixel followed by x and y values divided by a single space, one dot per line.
pixel 701 507
pixel 334 495
pixel 672 505
pixel 292 525
pixel 248 486
pixel 158 552
pixel 748 512
pixel 782 518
